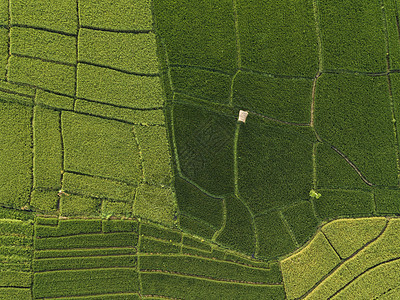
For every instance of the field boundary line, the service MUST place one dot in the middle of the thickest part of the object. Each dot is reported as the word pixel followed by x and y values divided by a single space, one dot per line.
pixel 211 70
pixel 209 259
pixel 43 59
pixel 289 229
pixel 8 39
pixel 277 76
pixel 223 225
pixel 144 31
pixel 231 88
pixel 139 74
pixel 238 51
pixel 42 29
pixel 389 82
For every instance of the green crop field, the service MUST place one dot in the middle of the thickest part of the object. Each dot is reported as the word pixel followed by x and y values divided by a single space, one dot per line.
pixel 128 169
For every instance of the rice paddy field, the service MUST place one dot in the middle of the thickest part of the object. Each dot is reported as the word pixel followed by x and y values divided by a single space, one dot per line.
pixel 126 172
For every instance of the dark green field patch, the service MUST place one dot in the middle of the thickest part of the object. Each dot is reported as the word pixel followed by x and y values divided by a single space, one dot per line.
pixel 120 15
pixel 301 220
pixel 342 203
pixel 130 52
pixel 201 83
pixel 101 147
pixel 204 143
pixel 41 74
pixel 352 35
pixel 57 15
pixel 15 154
pixel 43 44
pixel 84 282
pixel 334 172
pixel 344 105
pixel 280 98
pixel 239 230
pixel 274 165
pixel 170 285
pixel 278 37
pixel 387 201
pixel 194 202
pixel 205 267
pixel 273 237
pixel 204 39
pixel 121 89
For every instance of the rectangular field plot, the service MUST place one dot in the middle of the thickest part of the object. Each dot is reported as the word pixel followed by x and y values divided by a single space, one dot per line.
pixel 265 154
pixel 47 161
pixel 204 39
pixel 15 259
pixel 52 100
pixel 58 15
pixel 342 203
pixel 117 88
pixel 201 83
pixel 278 37
pixel 154 148
pixel 100 147
pixel 119 15
pixel 85 282
pixel 187 287
pixel 41 74
pixel 84 257
pixel 155 203
pixel 352 35
pixel 15 154
pixel 206 267
pixel 131 52
pixel 344 105
pixel 279 98
pixel 43 44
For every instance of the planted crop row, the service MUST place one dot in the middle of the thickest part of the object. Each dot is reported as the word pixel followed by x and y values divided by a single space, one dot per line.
pixel 206 267
pixel 143 117
pixel 123 239
pixel 195 288
pixel 62 253
pixel 85 282
pixel 70 263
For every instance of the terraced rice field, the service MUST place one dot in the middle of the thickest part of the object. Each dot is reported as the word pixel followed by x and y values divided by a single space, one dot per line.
pixel 126 174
